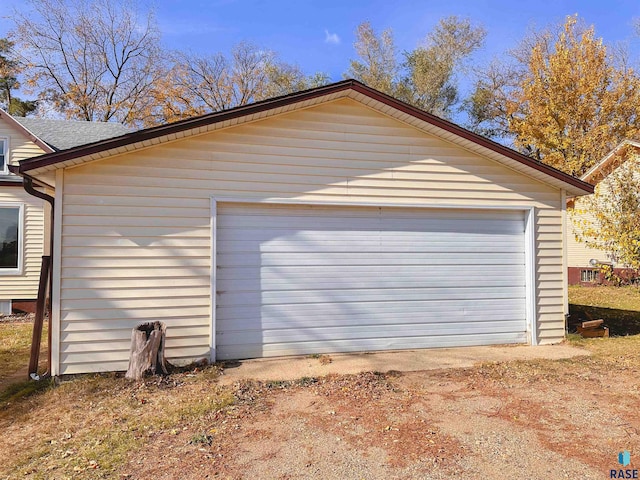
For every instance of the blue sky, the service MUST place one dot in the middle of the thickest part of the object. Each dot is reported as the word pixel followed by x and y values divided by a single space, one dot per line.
pixel 298 29
pixel 319 36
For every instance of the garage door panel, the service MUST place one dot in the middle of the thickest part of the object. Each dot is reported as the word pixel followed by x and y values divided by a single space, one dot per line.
pixel 289 320
pixel 418 238
pixel 363 345
pixel 366 246
pixel 349 271
pixel 293 280
pixel 268 336
pixel 257 259
pixel 281 226
pixel 286 283
pixel 372 295
pixel 268 234
pixel 234 211
pixel 336 312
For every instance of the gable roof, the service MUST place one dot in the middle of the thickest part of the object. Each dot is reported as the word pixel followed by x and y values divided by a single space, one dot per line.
pixel 611 160
pixel 347 88
pixel 65 134
pixel 21 128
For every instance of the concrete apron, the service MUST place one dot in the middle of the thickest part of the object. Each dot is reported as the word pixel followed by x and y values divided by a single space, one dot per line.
pixel 293 368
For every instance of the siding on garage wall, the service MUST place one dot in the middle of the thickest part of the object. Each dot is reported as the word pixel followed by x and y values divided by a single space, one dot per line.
pixel 23 286
pixel 136 228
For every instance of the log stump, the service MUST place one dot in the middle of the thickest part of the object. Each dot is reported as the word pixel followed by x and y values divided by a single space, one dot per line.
pixel 147 350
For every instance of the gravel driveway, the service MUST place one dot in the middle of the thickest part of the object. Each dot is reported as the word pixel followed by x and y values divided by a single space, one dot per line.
pixel 536 420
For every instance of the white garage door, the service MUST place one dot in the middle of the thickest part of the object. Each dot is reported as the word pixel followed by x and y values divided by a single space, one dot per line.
pixel 312 279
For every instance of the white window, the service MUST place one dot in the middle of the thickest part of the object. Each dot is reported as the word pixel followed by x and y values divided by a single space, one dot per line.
pixel 4 154
pixel 10 238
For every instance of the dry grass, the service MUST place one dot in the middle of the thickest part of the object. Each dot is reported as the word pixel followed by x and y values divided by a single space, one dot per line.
pixel 611 351
pixel 607 355
pixel 89 426
pixel 621 298
pixel 619 307
pixel 15 345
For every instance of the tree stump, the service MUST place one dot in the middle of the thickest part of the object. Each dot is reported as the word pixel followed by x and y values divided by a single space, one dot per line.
pixel 147 350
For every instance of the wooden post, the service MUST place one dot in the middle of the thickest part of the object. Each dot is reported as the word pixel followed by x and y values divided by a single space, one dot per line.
pixel 36 336
pixel 147 350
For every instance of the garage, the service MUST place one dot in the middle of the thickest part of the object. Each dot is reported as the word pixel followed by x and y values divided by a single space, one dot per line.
pixel 336 219
pixel 304 279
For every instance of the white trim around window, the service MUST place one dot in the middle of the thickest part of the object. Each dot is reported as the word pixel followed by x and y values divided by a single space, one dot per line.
pixel 18 270
pixel 4 153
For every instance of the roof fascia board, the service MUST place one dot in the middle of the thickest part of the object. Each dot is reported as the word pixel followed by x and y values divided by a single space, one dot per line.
pixel 607 158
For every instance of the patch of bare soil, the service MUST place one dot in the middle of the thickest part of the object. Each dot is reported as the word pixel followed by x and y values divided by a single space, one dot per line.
pixel 516 420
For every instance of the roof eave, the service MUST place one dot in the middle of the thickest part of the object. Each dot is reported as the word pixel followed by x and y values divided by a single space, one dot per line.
pixel 573 186
pixel 607 158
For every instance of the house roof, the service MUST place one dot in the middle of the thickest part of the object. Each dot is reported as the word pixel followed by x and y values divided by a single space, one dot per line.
pixel 347 88
pixel 610 161
pixel 30 135
pixel 65 134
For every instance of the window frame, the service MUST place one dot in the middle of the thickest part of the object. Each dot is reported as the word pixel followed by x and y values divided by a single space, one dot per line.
pixel 18 270
pixel 5 168
pixel 592 275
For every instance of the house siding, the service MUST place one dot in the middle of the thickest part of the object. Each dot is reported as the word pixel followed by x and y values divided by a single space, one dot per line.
pixel 25 285
pixel 20 146
pixel 135 238
pixel 578 252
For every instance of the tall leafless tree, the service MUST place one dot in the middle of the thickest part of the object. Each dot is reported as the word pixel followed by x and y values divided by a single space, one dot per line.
pixel 93 59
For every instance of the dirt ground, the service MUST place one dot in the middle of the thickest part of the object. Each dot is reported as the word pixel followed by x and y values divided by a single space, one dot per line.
pixel 532 419
pixel 535 420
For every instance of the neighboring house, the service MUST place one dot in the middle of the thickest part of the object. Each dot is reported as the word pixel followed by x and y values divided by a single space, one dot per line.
pixel 332 220
pixel 584 262
pixel 23 221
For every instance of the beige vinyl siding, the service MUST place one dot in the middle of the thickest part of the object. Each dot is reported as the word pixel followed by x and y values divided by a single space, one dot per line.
pixel 25 285
pixel 20 147
pixel 136 233
pixel 578 252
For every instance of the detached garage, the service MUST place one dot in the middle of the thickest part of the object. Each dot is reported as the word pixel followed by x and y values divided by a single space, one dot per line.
pixel 333 220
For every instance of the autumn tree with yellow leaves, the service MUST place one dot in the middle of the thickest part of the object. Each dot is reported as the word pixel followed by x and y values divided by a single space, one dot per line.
pixel 565 99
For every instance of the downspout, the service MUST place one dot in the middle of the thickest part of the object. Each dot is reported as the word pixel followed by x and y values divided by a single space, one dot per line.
pixel 29 188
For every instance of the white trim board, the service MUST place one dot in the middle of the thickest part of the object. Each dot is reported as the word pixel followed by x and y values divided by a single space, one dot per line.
pixel 214 218
pixel 19 270
pixel 294 201
pixel 530 272
pixel 57 272
pixel 5 153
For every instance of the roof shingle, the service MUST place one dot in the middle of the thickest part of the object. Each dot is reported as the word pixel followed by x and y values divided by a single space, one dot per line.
pixel 64 134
